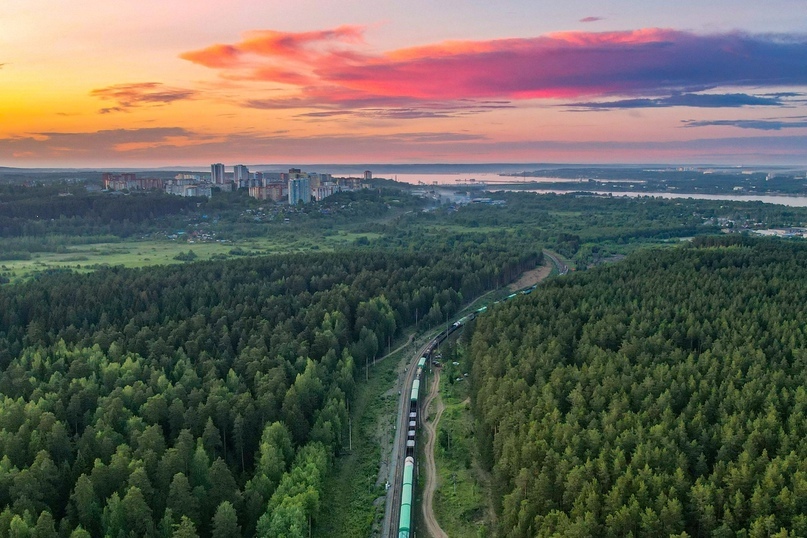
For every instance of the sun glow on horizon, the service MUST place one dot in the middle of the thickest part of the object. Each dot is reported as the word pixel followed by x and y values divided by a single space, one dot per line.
pixel 117 87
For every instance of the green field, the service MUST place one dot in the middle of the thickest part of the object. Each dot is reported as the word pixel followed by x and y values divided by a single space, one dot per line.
pixel 84 258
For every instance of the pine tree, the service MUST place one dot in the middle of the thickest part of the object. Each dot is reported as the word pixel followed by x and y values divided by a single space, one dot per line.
pixel 225 521
pixel 185 529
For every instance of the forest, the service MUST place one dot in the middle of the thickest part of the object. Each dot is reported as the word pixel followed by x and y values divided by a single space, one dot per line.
pixel 70 210
pixel 584 228
pixel 211 398
pixel 207 399
pixel 53 232
pixel 660 396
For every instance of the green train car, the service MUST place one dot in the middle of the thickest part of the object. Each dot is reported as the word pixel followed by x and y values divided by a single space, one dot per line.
pixel 407 494
pixel 415 391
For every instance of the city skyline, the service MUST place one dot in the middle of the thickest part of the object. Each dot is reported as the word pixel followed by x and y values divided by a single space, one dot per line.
pixel 147 84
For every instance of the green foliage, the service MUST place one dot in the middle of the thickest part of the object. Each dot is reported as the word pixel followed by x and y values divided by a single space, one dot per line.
pixel 350 504
pixel 185 529
pixel 659 396
pixel 181 500
pixel 41 210
pixel 45 526
pixel 134 399
pixel 186 256
pixel 79 532
pixel 137 514
pixel 296 501
pixel 459 502
pixel 225 521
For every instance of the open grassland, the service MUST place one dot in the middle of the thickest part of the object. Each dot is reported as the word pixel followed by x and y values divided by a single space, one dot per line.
pixel 86 257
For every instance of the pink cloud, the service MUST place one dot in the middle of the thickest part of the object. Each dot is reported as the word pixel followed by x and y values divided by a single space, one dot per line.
pixel 332 67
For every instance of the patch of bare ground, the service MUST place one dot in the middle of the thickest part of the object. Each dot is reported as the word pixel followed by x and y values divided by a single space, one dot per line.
pixel 532 277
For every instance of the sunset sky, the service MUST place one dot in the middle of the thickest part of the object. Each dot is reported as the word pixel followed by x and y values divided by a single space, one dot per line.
pixel 186 83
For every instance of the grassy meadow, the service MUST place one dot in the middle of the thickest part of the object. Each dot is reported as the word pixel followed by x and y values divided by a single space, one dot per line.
pixel 144 253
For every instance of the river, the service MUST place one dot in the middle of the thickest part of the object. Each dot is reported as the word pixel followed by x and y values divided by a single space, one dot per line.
pixel 459 180
pixel 791 201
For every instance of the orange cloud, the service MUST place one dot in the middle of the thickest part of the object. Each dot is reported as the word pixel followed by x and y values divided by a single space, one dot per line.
pixel 138 94
pixel 283 76
pixel 291 46
pixel 591 39
pixel 215 56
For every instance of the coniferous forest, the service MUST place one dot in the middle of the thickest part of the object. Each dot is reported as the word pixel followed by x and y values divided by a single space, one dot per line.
pixel 656 396
pixel 209 398
pixel 662 396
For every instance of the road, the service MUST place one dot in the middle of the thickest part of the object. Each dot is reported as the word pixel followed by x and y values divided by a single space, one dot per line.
pixel 397 349
pixel 432 526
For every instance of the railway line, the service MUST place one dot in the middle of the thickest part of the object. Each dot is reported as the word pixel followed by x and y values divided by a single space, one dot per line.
pixel 398 521
pixel 393 509
pixel 400 505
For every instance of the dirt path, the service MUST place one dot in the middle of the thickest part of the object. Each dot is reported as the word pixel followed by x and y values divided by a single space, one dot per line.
pixel 432 527
pixel 397 349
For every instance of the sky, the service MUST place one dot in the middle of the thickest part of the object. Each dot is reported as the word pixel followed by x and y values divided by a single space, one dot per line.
pixel 90 83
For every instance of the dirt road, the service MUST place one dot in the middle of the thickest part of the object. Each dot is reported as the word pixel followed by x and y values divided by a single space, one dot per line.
pixel 432 527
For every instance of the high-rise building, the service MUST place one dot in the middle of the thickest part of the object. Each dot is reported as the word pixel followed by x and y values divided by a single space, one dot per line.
pixel 275 177
pixel 217 173
pixel 299 191
pixel 241 175
pixel 368 175
pixel 130 181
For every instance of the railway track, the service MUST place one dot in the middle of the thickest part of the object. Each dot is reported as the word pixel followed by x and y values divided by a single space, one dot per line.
pixel 394 526
pixel 392 511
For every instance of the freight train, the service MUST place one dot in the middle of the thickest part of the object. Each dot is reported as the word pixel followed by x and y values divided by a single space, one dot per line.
pixel 405 519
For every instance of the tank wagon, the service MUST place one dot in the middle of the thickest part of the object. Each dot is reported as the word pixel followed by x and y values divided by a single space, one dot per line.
pixel 407 493
pixel 407 496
